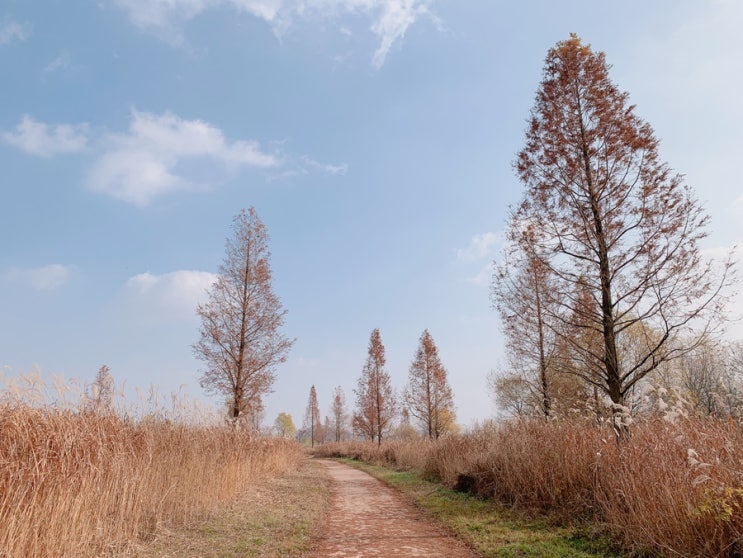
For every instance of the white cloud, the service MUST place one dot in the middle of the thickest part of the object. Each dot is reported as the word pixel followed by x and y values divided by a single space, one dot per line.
pixel 159 151
pixel 390 19
pixel 392 24
pixel 13 31
pixel 481 246
pixel 158 154
pixel 61 62
pixel 483 277
pixel 44 278
pixel 341 169
pixel 176 293
pixel 164 18
pixel 43 140
pixel 265 9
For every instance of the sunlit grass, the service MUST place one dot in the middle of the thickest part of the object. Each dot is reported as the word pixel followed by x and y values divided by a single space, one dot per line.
pixel 669 489
pixel 79 483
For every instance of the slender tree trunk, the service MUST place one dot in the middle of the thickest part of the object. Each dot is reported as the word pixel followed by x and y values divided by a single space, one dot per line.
pixel 611 357
pixel 546 400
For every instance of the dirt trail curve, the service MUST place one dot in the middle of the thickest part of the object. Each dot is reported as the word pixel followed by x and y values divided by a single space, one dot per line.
pixel 367 518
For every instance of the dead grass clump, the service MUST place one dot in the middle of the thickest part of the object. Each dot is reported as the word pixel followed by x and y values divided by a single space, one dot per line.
pixel 86 484
pixel 452 460
pixel 405 454
pixel 676 488
pixel 667 489
pixel 541 466
pixel 365 451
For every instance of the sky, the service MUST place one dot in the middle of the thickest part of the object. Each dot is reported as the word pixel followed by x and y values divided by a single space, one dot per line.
pixel 374 138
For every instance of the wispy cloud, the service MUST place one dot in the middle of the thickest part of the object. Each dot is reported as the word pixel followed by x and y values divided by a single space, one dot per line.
pixel 392 23
pixel 165 18
pixel 341 169
pixel 390 19
pixel 43 140
pixel 159 154
pixel 481 246
pixel 61 62
pixel 483 277
pixel 44 278
pixel 13 31
pixel 176 293
pixel 163 153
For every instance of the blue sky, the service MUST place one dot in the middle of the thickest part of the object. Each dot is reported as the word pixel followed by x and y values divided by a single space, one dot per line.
pixel 374 138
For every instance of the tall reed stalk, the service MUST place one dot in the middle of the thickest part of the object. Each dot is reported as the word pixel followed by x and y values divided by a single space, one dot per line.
pixel 89 484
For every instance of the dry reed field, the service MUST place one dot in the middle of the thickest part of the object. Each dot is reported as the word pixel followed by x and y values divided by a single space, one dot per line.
pixel 76 483
pixel 669 489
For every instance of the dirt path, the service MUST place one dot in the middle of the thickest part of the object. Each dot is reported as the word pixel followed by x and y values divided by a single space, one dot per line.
pixel 367 518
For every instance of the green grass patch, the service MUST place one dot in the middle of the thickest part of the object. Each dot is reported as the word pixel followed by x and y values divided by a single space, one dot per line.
pixel 489 528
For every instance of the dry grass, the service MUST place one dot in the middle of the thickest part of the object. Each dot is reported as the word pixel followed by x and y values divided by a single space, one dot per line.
pixel 276 518
pixel 667 490
pixel 85 484
pixel 677 488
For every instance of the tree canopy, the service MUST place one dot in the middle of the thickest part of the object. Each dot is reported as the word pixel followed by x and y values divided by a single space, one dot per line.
pixel 240 340
pixel 614 230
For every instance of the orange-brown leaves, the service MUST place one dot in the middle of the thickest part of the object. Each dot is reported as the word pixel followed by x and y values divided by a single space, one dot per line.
pixel 312 418
pixel 376 404
pixel 240 342
pixel 607 216
pixel 428 396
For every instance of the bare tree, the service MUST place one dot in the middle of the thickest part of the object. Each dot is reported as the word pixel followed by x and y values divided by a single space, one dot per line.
pixel 340 416
pixel 613 221
pixel 428 396
pixel 312 418
pixel 709 380
pixel 521 292
pixel 376 404
pixel 100 395
pixel 511 393
pixel 240 341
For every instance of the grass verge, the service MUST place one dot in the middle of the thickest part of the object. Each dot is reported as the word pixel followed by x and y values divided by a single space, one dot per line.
pixel 275 518
pixel 488 527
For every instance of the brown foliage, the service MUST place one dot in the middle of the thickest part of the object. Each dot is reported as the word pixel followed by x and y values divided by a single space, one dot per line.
pixel 240 342
pixel 339 412
pixel 428 395
pixel 521 292
pixel 376 404
pixel 618 231
pixel 312 418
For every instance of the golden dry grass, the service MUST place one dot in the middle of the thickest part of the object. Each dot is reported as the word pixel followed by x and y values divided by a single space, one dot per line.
pixel 672 489
pixel 277 517
pixel 85 484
